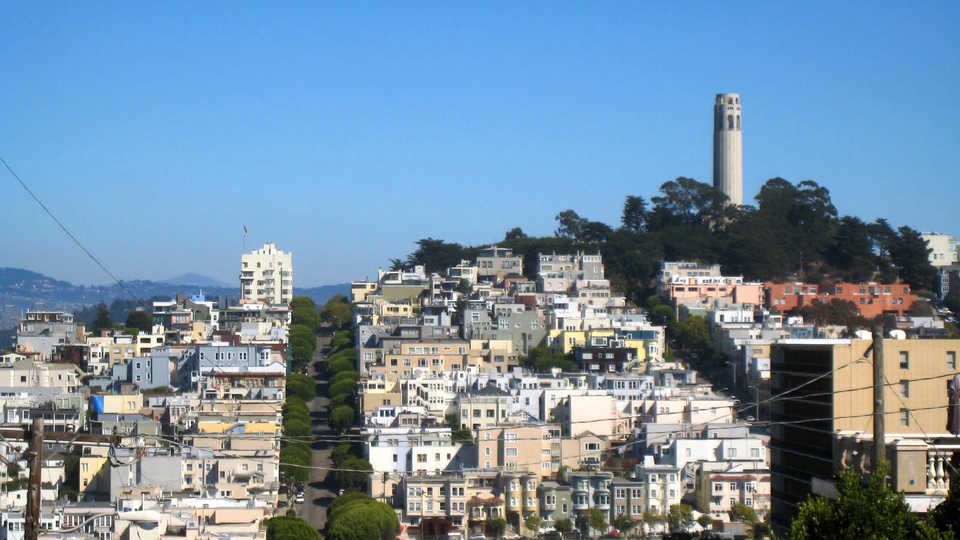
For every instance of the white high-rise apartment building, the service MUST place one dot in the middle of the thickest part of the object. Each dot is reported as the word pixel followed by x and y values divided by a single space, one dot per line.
pixel 266 275
pixel 944 249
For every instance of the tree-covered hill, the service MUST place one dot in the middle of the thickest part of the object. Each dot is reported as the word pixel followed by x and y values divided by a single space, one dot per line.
pixel 793 231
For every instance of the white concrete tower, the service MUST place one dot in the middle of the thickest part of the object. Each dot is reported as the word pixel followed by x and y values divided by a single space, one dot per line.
pixel 728 147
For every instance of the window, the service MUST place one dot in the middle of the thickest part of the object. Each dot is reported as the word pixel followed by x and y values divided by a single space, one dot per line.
pixel 748 502
pixel 738 122
pixel 904 417
pixel 952 359
pixel 904 360
pixel 755 452
pixel 905 388
pixel 731 452
pixel 729 121
pixel 733 486
pixel 510 452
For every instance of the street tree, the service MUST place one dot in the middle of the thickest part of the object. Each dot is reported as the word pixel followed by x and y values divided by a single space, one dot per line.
pixel 495 527
pixel 680 517
pixel 624 524
pixel 865 507
pixel 102 321
pixel 139 319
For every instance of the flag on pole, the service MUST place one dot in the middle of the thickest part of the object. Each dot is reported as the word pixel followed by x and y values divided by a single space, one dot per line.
pixel 244 231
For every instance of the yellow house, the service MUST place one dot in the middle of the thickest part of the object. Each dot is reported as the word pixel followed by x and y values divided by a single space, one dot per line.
pixel 93 475
pixel 395 309
pixel 117 403
pixel 218 432
pixel 145 342
pixel 564 341
pixel 639 346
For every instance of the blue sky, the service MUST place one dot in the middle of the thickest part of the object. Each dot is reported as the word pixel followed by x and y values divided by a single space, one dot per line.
pixel 346 132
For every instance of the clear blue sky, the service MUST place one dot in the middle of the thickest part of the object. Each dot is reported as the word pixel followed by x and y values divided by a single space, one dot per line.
pixel 344 133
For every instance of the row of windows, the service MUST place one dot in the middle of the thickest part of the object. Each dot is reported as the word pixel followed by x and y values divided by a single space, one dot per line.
pixel 733 121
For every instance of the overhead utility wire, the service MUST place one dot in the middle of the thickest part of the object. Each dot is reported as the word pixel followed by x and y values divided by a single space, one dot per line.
pixel 65 229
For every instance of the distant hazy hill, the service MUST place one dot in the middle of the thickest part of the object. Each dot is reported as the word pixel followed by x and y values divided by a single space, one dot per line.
pixel 22 289
pixel 323 293
pixel 197 280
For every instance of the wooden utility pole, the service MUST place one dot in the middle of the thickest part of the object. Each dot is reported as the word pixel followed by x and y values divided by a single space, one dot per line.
pixel 879 433
pixel 33 490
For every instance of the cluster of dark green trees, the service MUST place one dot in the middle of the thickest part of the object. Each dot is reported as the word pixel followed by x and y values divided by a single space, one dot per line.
pixel 290 528
pixel 137 319
pixel 868 507
pixel 295 454
pixel 353 470
pixel 355 516
pixel 342 377
pixel 306 321
pixel 793 231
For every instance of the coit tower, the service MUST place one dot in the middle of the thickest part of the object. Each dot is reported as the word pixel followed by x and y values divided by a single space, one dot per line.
pixel 728 147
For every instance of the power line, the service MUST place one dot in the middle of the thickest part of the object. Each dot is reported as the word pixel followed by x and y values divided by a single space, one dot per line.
pixel 65 229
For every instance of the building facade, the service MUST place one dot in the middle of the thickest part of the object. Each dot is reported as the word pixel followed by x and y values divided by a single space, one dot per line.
pixel 266 275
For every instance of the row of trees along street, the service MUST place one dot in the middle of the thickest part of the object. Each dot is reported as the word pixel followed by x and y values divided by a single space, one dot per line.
pixel 352 515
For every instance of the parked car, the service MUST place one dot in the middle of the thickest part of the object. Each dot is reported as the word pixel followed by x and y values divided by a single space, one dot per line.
pixel 299 499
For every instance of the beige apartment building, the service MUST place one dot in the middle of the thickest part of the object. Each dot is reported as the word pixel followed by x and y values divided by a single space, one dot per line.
pixel 435 497
pixel 831 385
pixel 482 412
pixel 360 289
pixel 718 490
pixel 31 374
pixel 376 392
pixel 405 359
pixel 402 358
pixel 537 449
pixel 596 413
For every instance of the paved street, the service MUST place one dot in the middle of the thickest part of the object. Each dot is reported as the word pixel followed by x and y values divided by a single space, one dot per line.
pixel 317 497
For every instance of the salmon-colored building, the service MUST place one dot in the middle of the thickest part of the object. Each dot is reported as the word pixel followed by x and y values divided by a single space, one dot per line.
pixel 706 293
pixel 871 298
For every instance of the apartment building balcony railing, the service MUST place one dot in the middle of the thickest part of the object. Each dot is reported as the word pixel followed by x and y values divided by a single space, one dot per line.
pixel 938 472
